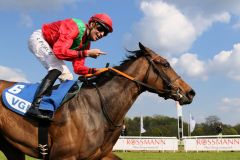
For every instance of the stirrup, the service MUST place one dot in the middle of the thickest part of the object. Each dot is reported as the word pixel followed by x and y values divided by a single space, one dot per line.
pixel 33 111
pixel 40 114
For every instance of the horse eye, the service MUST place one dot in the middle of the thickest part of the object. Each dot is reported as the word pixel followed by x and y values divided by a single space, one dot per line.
pixel 167 65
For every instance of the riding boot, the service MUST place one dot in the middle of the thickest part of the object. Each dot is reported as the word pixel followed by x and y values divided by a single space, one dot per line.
pixel 44 88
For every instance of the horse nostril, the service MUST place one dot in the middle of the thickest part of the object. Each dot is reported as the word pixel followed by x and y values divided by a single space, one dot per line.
pixel 191 93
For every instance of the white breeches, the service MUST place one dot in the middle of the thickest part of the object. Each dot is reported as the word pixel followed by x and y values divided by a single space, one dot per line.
pixel 43 52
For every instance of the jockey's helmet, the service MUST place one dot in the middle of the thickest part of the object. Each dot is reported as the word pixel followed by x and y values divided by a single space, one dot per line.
pixel 104 19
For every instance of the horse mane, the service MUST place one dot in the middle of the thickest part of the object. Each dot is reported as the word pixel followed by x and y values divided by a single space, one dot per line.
pixel 132 55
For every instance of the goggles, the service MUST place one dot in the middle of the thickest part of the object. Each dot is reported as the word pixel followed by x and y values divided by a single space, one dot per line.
pixel 102 28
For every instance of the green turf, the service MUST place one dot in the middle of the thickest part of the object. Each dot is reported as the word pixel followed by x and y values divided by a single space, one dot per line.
pixel 2 157
pixel 171 156
pixel 179 156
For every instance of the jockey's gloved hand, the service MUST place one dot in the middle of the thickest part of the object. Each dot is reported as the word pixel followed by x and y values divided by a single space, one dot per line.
pixel 96 72
pixel 94 53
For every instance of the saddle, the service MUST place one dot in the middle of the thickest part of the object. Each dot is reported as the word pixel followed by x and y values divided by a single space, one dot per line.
pixel 19 97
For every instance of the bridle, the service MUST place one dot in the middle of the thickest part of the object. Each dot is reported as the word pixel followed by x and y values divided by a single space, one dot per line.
pixel 167 92
pixel 170 91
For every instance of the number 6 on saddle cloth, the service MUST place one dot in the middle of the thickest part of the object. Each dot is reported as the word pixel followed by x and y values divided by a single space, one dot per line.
pixel 19 97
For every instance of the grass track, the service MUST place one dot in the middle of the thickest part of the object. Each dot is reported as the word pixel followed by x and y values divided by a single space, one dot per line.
pixel 171 156
pixel 180 156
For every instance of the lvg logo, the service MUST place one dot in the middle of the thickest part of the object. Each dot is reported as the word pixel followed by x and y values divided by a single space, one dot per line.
pixel 16 102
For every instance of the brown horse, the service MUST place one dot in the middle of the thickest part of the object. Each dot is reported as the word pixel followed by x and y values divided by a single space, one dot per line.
pixel 88 125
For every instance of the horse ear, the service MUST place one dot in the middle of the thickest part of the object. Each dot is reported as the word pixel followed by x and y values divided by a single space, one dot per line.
pixel 141 46
pixel 145 50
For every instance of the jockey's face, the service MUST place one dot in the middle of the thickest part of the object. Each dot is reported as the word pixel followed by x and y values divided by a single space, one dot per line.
pixel 97 31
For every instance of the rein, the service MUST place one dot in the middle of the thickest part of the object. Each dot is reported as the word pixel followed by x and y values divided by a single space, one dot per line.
pixel 154 89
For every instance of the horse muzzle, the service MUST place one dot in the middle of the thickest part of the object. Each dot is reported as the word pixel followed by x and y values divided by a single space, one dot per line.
pixel 183 98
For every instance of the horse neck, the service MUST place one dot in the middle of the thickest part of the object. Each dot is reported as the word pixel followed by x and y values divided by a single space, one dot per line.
pixel 120 93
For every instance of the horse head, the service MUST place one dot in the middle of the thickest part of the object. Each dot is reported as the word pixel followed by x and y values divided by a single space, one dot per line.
pixel 160 78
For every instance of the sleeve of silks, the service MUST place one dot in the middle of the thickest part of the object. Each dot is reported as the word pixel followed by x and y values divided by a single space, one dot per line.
pixel 80 68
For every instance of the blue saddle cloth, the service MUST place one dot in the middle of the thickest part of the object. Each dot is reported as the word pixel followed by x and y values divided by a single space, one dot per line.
pixel 19 97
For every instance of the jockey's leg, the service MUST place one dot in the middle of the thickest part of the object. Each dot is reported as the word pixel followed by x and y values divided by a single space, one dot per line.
pixel 44 88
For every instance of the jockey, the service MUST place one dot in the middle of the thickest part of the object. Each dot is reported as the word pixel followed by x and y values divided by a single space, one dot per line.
pixel 68 40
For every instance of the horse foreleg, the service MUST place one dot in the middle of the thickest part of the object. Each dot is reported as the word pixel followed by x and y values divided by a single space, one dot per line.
pixel 9 151
pixel 111 156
